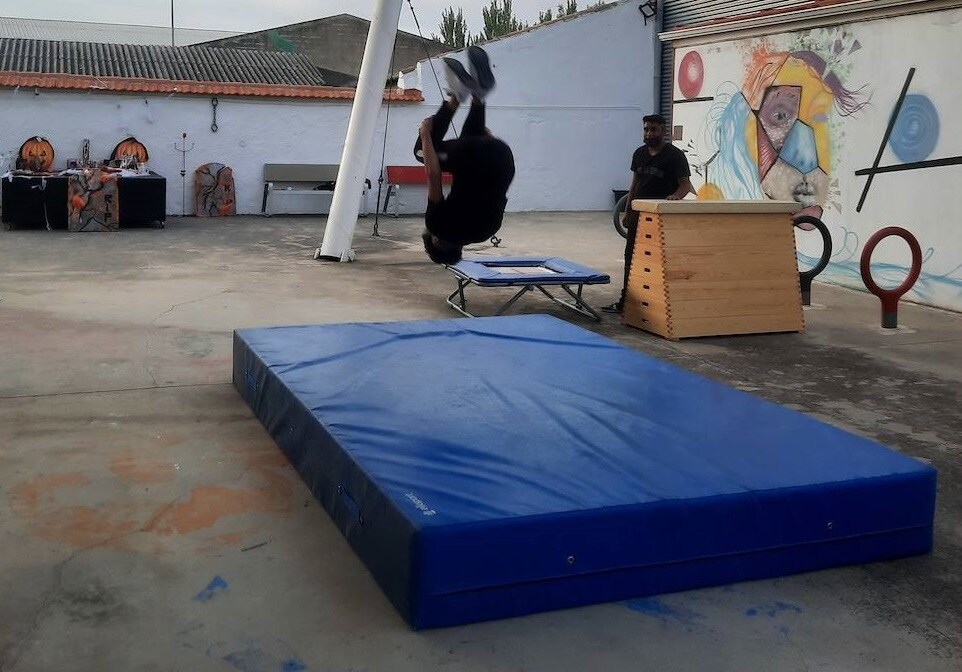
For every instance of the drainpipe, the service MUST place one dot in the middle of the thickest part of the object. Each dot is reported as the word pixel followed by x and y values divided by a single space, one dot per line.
pixel 658 52
pixel 345 207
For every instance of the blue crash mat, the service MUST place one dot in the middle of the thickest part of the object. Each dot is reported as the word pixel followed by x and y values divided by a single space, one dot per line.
pixel 500 466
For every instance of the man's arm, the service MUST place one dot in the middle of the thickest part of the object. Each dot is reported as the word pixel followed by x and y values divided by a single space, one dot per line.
pixel 684 188
pixel 431 163
pixel 683 170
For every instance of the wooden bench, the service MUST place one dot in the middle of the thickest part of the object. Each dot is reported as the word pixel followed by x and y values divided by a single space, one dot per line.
pixel 303 179
pixel 410 175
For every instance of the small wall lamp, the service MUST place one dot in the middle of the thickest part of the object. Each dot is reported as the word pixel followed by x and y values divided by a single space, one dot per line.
pixel 649 9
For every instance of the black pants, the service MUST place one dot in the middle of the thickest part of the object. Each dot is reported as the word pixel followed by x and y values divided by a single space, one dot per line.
pixel 448 150
pixel 632 227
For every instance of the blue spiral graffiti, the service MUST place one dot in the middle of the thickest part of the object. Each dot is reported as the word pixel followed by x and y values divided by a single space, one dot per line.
pixel 916 130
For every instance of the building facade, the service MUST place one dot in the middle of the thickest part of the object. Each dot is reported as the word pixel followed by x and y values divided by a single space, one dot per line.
pixel 847 107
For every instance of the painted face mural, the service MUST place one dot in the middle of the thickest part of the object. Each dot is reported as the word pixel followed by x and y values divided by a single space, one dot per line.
pixel 773 132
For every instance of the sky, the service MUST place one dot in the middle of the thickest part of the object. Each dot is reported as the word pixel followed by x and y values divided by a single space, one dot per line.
pixel 250 15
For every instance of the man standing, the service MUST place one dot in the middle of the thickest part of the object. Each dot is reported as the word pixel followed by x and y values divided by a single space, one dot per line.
pixel 659 171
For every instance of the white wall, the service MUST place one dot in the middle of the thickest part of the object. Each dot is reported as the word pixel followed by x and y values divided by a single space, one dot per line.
pixel 251 132
pixel 871 60
pixel 569 101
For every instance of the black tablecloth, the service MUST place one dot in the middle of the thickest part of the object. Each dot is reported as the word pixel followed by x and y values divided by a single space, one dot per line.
pixel 33 202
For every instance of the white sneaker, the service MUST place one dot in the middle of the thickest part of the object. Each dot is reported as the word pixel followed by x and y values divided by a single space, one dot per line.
pixel 459 82
pixel 480 70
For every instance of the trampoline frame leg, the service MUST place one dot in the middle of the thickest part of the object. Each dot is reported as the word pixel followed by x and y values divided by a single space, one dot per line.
pixel 458 302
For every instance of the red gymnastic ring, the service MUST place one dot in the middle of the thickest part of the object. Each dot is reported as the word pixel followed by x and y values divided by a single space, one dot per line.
pixel 890 297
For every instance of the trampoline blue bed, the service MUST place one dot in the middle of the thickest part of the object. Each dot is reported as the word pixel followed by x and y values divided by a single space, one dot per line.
pixel 525 274
pixel 501 466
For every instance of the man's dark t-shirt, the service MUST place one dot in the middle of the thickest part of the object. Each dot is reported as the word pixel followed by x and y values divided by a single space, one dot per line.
pixel 658 175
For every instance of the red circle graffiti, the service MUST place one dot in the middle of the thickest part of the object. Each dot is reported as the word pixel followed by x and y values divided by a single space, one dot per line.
pixel 691 75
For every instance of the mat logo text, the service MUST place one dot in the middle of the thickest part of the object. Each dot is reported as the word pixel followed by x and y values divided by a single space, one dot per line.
pixel 420 505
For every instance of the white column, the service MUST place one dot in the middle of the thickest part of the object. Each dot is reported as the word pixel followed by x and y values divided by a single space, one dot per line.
pixel 360 133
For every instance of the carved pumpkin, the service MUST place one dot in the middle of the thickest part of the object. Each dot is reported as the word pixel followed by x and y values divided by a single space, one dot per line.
pixel 36 154
pixel 130 147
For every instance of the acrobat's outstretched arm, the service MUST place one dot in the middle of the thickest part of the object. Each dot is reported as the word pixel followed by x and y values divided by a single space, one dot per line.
pixel 431 163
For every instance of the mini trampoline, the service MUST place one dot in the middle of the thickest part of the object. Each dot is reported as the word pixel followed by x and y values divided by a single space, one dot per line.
pixel 526 274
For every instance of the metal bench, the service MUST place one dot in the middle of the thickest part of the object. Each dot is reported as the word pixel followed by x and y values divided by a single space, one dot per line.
pixel 410 175
pixel 303 179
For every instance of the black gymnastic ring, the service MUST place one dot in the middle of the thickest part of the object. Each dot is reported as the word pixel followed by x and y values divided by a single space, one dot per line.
pixel 826 246
pixel 621 207
pixel 805 277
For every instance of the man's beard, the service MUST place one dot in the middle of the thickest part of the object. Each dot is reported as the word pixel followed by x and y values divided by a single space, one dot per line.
pixel 653 142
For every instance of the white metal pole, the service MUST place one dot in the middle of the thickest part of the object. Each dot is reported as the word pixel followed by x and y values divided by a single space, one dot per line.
pixel 360 133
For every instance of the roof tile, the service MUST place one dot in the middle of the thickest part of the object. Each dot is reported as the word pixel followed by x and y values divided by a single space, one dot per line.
pixel 201 64
pixel 161 69
pixel 143 85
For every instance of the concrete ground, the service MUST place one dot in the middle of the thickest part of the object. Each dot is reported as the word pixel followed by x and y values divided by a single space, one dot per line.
pixel 148 522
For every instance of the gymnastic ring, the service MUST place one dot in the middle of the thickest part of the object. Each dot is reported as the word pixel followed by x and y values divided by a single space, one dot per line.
pixel 621 207
pixel 805 277
pixel 890 297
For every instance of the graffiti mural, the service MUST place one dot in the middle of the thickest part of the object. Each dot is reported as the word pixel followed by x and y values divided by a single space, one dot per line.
pixel 829 117
pixel 214 191
pixel 691 75
pixel 912 135
pixel 772 132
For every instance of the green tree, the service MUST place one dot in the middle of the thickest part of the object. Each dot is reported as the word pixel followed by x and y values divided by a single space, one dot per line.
pixel 454 29
pixel 569 7
pixel 499 19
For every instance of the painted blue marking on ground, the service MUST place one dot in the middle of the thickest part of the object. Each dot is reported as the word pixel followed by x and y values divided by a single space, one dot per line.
pixel 216 585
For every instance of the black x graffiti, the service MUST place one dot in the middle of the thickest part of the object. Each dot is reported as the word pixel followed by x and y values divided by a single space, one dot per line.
pixel 915 165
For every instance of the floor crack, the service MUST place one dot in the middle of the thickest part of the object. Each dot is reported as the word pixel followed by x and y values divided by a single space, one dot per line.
pixel 19 648
pixel 148 369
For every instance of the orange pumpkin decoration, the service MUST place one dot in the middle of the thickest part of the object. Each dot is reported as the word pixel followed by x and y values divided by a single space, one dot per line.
pixel 130 147
pixel 36 154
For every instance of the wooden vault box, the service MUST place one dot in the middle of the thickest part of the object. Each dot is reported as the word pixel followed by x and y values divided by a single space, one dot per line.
pixel 710 268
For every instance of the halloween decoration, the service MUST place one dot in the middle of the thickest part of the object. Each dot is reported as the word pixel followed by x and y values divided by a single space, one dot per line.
pixel 214 191
pixel 131 150
pixel 92 203
pixel 36 154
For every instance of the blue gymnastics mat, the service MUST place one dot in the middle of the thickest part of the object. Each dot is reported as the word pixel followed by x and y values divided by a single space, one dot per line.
pixel 501 466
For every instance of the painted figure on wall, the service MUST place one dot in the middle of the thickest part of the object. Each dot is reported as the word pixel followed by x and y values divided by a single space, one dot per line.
pixel 771 137
pixel 92 203
pixel 214 191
